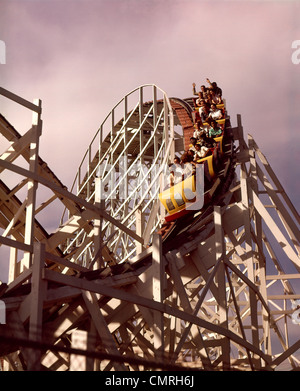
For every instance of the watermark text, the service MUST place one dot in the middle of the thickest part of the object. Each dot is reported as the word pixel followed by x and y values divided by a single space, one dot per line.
pixel 2 52
pixel 296 53
pixel 138 182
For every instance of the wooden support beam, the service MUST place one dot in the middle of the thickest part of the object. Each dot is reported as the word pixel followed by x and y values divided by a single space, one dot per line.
pixel 185 303
pixel 19 280
pixel 150 223
pixel 18 146
pixel 65 262
pixel 221 284
pixel 276 181
pixel 255 173
pixel 98 226
pixel 286 354
pixel 249 261
pixel 45 204
pixel 238 315
pixel 175 328
pixel 13 260
pixel 139 223
pixel 106 337
pixel 18 331
pixel 285 217
pixel 31 106
pixel 276 231
pixel 32 185
pixel 17 215
pixel 158 278
pixel 37 297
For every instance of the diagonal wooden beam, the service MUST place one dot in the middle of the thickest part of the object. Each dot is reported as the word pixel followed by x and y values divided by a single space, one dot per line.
pixel 276 181
pixel 21 101
pixel 17 147
pixel 285 217
pixel 91 303
pixel 96 211
pixel 276 231
pixel 238 315
pixel 185 303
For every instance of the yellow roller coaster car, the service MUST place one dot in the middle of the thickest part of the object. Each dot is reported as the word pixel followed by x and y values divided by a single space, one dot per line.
pixel 175 198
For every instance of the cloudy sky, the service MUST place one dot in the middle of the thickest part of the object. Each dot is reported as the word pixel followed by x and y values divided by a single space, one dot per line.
pixel 80 57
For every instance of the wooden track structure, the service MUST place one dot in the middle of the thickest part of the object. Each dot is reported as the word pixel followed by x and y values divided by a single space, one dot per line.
pixel 220 295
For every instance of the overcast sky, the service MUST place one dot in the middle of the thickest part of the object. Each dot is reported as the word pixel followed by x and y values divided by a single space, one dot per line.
pixel 81 57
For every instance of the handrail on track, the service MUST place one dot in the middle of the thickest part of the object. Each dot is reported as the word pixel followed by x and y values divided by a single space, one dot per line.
pixel 101 137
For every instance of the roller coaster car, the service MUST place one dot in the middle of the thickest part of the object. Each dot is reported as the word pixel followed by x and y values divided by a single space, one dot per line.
pixel 176 198
pixel 220 106
pixel 196 115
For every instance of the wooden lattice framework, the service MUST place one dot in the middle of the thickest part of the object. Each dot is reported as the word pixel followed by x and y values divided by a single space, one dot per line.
pixel 223 295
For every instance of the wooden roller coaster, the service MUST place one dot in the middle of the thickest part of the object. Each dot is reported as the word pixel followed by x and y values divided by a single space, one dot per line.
pixel 115 286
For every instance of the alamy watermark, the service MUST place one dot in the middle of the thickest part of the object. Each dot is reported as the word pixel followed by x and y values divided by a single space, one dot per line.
pixel 2 312
pixel 138 182
pixel 296 53
pixel 2 52
pixel 296 313
pixel 194 196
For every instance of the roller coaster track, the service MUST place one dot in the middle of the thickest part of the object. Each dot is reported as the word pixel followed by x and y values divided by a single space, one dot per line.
pixel 114 287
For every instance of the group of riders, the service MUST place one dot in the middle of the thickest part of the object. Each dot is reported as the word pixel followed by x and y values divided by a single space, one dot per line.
pixel 207 116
